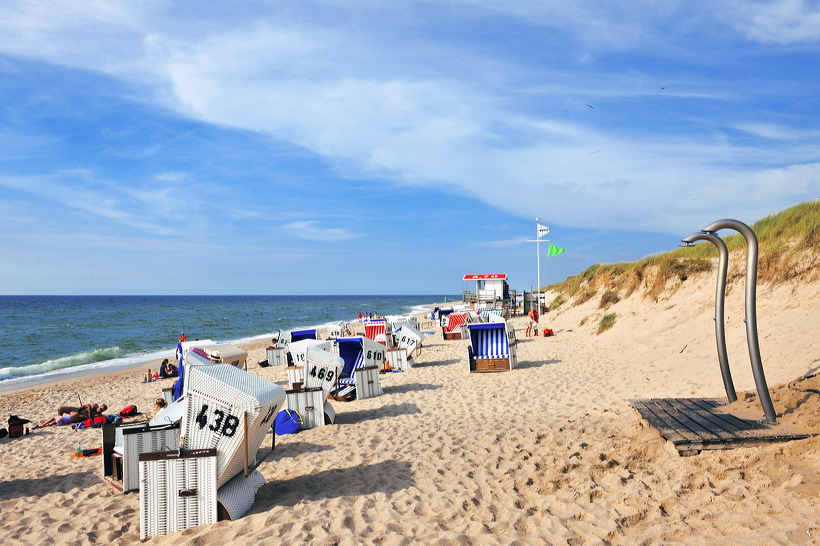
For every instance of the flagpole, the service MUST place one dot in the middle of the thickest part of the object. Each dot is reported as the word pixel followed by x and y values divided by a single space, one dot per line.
pixel 538 261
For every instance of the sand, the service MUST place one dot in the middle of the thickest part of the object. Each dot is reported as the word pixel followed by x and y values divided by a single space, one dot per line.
pixel 551 452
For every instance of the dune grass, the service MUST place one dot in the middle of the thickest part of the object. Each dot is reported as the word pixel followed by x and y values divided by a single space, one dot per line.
pixel 785 241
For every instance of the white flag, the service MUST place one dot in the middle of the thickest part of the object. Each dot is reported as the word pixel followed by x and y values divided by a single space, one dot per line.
pixel 542 230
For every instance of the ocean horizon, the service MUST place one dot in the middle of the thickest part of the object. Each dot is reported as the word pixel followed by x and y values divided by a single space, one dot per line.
pixel 45 338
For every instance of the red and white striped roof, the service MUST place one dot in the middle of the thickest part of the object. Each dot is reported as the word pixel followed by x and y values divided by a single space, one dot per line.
pixel 494 276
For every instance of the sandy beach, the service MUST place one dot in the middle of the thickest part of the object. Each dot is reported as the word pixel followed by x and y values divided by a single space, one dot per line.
pixel 552 452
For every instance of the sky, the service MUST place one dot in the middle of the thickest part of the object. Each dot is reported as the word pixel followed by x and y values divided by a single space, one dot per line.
pixel 372 147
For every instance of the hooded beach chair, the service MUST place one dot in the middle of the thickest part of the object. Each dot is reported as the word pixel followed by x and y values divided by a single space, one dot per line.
pixel 297 357
pixel 321 372
pixel 490 349
pixel 363 358
pixel 231 410
pixel 408 342
pixel 456 326
pixel 380 331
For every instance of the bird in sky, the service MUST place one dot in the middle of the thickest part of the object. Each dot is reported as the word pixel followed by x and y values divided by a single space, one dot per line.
pixel 663 87
pixel 589 105
pixel 595 152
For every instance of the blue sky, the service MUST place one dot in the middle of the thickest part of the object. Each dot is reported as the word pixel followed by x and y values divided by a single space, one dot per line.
pixel 363 147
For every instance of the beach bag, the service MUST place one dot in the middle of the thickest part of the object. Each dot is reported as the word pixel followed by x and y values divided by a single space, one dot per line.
pixel 287 422
pixel 128 411
pixel 16 426
pixel 548 332
pixel 3 433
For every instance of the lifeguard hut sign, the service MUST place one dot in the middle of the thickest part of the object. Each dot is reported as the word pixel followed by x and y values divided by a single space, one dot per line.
pixel 497 276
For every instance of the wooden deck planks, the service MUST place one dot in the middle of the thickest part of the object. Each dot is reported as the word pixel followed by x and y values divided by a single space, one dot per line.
pixel 693 424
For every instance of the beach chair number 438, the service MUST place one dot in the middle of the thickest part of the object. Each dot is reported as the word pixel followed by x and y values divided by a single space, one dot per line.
pixel 227 424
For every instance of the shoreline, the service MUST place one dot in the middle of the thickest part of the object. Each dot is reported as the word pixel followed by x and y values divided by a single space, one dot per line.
pixel 152 359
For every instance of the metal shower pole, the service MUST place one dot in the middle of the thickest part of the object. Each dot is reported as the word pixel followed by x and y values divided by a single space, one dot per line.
pixel 720 297
pixel 751 310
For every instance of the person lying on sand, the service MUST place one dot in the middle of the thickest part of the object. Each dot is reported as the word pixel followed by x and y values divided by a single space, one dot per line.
pixel 92 410
pixel 64 419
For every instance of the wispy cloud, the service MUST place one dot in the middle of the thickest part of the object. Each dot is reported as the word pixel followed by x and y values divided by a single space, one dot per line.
pixel 311 230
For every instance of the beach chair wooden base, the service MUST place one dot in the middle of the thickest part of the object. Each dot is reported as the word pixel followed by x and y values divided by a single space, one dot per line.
pixel 368 383
pixel 296 376
pixel 398 359
pixel 491 365
pixel 309 404
pixel 177 491
pixel 449 336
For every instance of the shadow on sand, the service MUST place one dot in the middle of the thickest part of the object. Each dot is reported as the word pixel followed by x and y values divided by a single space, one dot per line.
pixel 385 477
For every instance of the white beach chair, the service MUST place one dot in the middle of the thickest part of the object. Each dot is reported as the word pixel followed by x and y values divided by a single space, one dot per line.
pixel 297 358
pixel 490 349
pixel 231 410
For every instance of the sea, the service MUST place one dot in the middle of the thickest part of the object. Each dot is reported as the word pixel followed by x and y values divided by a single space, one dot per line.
pixel 43 338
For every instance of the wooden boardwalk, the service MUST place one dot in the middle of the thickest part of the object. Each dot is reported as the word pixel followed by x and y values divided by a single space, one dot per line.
pixel 693 424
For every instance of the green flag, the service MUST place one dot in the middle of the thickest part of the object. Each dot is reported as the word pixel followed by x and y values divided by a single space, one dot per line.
pixel 554 250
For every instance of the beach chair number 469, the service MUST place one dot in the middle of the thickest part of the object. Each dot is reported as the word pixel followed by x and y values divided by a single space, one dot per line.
pixel 322 374
pixel 227 424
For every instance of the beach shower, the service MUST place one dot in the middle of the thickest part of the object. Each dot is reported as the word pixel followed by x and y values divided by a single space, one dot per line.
pixel 720 293
pixel 709 234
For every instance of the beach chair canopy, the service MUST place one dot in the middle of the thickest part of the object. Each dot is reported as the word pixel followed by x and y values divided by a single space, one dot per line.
pixel 409 338
pixel 373 353
pixel 455 321
pixel 363 358
pixel 219 400
pixel 298 350
pixel 322 369
pixel 489 340
pixel 298 335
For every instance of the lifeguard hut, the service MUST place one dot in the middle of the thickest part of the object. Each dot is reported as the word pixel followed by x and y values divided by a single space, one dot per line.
pixel 488 291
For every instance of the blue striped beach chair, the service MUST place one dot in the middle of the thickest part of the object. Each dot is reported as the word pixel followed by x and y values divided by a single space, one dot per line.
pixel 490 349
pixel 363 358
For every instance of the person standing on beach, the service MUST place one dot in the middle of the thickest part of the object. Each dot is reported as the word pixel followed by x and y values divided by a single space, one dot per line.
pixel 530 322
pixel 535 322
pixel 182 338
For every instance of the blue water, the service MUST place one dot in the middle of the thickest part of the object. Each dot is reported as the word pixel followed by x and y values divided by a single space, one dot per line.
pixel 50 337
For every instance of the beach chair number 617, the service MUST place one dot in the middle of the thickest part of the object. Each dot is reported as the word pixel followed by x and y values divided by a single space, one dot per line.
pixel 226 423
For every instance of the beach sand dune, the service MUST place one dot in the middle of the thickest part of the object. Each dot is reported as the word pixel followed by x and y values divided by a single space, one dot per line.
pixel 550 452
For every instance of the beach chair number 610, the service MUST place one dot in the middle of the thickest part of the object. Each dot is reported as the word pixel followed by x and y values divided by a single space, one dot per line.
pixel 226 423
pixel 375 355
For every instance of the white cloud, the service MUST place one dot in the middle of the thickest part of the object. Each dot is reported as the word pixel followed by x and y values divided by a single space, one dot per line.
pixel 310 230
pixel 781 22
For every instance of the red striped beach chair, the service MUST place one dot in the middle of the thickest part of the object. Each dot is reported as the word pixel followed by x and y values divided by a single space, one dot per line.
pixel 456 326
